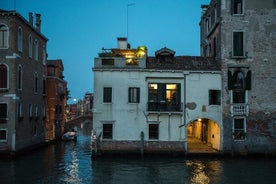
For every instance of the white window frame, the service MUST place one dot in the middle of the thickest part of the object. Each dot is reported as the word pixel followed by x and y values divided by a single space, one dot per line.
pixel 5 38
pixel 244 129
pixel 243 42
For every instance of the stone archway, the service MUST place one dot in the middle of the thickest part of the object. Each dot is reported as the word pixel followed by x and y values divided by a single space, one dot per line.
pixel 203 136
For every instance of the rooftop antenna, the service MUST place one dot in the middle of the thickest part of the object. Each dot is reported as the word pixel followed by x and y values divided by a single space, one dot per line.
pixel 128 5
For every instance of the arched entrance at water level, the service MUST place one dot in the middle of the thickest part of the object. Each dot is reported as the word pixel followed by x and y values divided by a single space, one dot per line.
pixel 203 136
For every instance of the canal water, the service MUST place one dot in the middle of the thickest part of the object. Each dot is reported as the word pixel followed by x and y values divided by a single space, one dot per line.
pixel 70 163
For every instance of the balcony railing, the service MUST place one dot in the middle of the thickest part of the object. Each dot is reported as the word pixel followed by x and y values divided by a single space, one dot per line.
pixel 238 109
pixel 164 106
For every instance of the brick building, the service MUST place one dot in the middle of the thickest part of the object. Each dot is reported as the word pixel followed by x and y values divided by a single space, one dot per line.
pixel 241 35
pixel 56 100
pixel 22 81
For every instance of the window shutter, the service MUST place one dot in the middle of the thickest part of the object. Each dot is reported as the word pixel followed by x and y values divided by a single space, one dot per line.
pixel 178 93
pixel 138 95
pixel 248 80
pixel 230 81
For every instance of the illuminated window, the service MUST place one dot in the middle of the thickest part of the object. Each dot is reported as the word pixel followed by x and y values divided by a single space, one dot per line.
pixel 133 95
pixel 3 37
pixel 153 131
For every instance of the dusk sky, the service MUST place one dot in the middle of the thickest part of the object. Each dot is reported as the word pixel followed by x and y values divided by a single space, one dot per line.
pixel 78 30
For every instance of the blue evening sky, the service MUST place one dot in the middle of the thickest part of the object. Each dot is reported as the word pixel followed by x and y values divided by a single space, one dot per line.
pixel 78 29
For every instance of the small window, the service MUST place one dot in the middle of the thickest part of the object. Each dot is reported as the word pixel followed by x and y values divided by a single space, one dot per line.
pixel 214 97
pixel 36 111
pixel 153 131
pixel 36 50
pixel 20 40
pixel 107 61
pixel 107 131
pixel 239 129
pixel 44 85
pixel 30 111
pixel 3 76
pixel 35 83
pixel 19 77
pixel 4 37
pixel 107 95
pixel 133 95
pixel 3 135
pixel 3 112
pixel 238 44
pixel 237 7
pixel 19 110
pixel 30 46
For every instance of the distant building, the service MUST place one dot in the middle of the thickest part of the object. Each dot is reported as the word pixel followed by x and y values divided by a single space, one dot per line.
pixel 56 100
pixel 22 81
pixel 155 103
pixel 241 36
pixel 87 103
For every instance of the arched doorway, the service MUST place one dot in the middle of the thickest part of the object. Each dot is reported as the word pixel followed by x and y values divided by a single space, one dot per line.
pixel 203 136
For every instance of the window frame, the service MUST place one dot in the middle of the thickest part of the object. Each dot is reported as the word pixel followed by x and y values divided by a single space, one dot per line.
pixel 20 39
pixel 153 134
pixel 107 134
pixel 239 134
pixel 235 12
pixel 4 36
pixel 6 130
pixel 107 95
pixel 133 95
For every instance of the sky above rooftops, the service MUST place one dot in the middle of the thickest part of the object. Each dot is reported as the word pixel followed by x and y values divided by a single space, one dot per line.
pixel 78 30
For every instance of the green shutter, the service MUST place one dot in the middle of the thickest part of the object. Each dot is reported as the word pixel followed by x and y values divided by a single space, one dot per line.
pixel 248 80
pixel 230 81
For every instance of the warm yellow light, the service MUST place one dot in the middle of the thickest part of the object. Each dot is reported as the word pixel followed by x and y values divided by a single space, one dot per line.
pixel 171 86
pixel 199 119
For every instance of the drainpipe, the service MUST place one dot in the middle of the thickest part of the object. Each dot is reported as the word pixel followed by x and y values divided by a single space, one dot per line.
pixel 185 73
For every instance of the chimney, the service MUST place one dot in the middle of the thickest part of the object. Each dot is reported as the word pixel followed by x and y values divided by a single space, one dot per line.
pixel 31 18
pixel 37 22
pixel 122 43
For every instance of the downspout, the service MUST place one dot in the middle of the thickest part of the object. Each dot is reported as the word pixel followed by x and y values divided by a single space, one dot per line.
pixel 185 73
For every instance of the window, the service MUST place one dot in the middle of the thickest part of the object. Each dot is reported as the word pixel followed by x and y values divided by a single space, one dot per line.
pixel 44 85
pixel 107 131
pixel 107 61
pixel 20 40
pixel 30 111
pixel 164 97
pixel 35 83
pixel 237 7
pixel 19 110
pixel 30 46
pixel 19 77
pixel 3 112
pixel 3 76
pixel 36 50
pixel 133 95
pixel 238 44
pixel 107 95
pixel 3 36
pixel 153 131
pixel 44 55
pixel 239 129
pixel 214 97
pixel 238 81
pixel 43 111
pixel 3 135
pixel 35 131
pixel 36 111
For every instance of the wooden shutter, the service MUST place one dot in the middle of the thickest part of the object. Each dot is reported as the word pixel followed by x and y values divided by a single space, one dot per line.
pixel 248 80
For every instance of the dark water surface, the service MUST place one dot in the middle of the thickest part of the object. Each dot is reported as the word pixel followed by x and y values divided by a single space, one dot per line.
pixel 70 162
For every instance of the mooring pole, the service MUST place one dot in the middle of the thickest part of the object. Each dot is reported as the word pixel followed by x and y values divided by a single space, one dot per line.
pixel 142 144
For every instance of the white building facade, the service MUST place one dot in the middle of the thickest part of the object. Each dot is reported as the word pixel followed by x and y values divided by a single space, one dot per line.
pixel 154 104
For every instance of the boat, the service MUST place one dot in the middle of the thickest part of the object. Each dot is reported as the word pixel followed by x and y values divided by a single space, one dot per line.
pixel 70 136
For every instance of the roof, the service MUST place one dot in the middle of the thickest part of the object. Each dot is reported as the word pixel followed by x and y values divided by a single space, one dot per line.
pixel 184 63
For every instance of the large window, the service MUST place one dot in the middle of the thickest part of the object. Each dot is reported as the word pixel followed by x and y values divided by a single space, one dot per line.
pixel 214 97
pixel 20 40
pixel 4 37
pixel 107 131
pixel 237 7
pixel 107 94
pixel 3 112
pixel 3 76
pixel 164 97
pixel 238 44
pixel 239 127
pixel 153 131
pixel 133 95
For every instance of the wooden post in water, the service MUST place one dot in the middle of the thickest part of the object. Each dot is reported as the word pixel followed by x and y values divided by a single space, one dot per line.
pixel 142 144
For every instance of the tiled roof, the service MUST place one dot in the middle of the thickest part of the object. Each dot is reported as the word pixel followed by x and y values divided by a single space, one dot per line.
pixel 184 63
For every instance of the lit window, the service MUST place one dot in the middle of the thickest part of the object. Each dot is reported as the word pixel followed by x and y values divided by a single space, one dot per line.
pixel 107 95
pixel 107 131
pixel 133 95
pixel 20 39
pixel 3 76
pixel 238 44
pixel 153 131
pixel 3 36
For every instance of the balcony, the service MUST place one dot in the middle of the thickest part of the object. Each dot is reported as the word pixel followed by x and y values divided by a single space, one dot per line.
pixel 164 107
pixel 239 109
